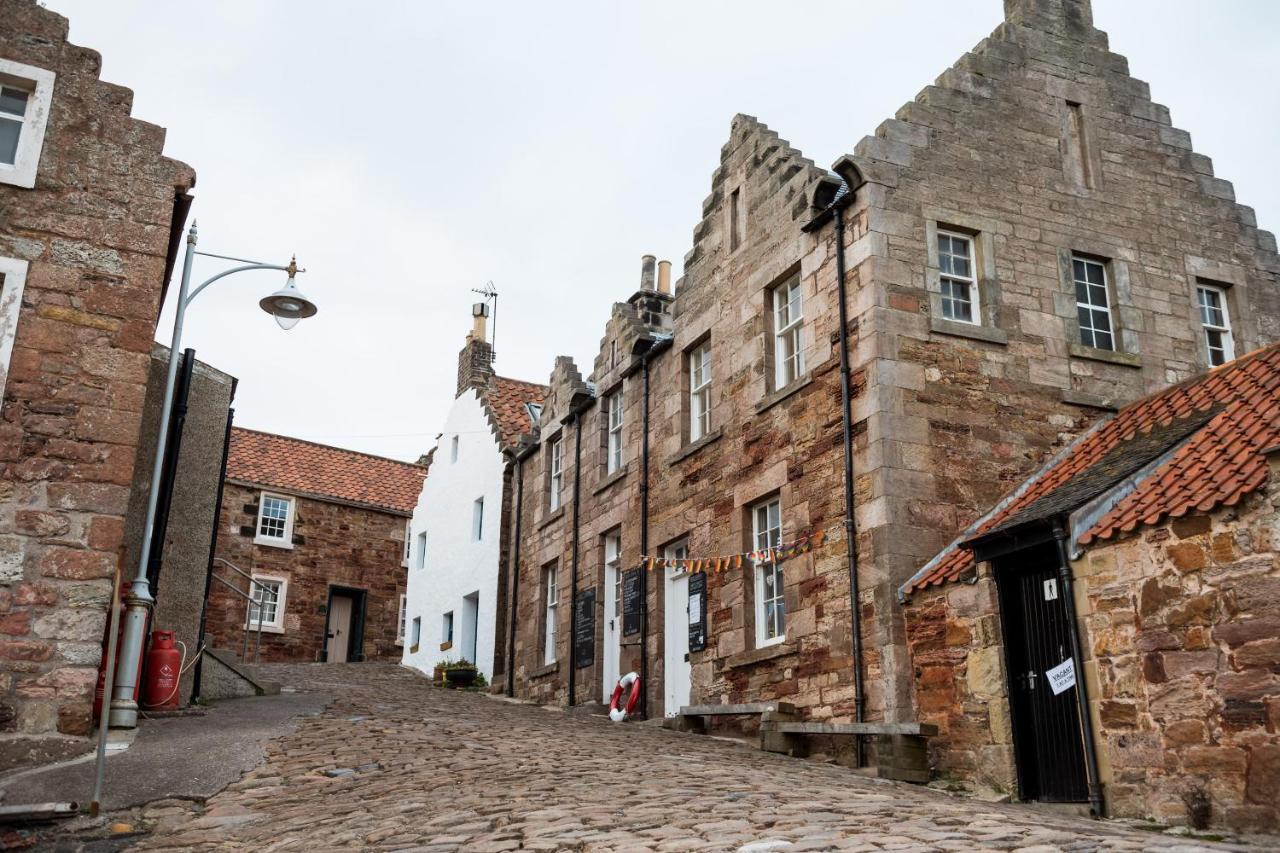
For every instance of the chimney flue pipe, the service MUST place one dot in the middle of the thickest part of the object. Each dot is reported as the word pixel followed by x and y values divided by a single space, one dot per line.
pixel 646 272
pixel 664 276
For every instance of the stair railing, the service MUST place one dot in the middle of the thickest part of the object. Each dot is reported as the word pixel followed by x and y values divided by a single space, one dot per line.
pixel 254 586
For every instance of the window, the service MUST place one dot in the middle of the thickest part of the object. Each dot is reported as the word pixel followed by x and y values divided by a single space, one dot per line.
pixel 766 532
pixel 25 95
pixel 477 519
pixel 404 601
pixel 613 450
pixel 422 550
pixel 959 285
pixel 13 280
pixel 788 326
pixel 700 391
pixel 613 560
pixel 453 450
pixel 534 410
pixel 676 551
pixel 266 605
pixel 408 542
pixel 275 521
pixel 416 636
pixel 555 452
pixel 1216 322
pixel 1093 303
pixel 446 629
pixel 736 221
pixel 549 625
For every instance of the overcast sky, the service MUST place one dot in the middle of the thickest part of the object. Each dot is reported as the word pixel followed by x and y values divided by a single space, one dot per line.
pixel 409 152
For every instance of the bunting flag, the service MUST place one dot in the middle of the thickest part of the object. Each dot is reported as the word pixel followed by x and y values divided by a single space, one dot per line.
pixel 778 554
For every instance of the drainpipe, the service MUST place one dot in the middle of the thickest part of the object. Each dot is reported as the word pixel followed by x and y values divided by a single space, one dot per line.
pixel 514 567
pixel 573 574
pixel 1096 804
pixel 169 474
pixel 644 535
pixel 213 550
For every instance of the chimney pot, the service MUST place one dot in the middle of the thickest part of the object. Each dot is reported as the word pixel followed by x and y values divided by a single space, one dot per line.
pixel 646 272
pixel 664 276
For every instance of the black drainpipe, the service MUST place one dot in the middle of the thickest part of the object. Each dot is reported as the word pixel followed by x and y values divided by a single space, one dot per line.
pixel 514 567
pixel 644 537
pixel 850 528
pixel 213 550
pixel 169 471
pixel 1096 804
pixel 573 573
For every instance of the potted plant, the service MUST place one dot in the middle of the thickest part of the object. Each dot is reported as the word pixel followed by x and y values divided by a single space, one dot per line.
pixel 460 674
pixel 437 674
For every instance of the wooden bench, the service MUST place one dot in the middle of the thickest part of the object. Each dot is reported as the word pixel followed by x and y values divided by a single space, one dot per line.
pixel 901 749
pixel 693 718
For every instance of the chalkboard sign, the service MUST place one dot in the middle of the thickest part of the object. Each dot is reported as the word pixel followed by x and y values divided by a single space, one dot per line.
pixel 697 611
pixel 632 601
pixel 584 629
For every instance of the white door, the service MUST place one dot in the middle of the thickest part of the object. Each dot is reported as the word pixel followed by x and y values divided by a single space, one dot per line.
pixel 609 674
pixel 339 629
pixel 676 668
pixel 470 626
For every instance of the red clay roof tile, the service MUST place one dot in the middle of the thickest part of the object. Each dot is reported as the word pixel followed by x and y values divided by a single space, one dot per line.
pixel 506 399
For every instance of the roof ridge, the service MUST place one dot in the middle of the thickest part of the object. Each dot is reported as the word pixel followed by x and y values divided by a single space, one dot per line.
pixel 328 446
pixel 519 381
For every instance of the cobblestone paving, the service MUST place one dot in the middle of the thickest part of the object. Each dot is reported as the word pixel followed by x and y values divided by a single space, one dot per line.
pixel 398 764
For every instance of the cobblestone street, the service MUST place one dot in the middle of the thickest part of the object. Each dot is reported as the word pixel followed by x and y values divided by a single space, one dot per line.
pixel 395 763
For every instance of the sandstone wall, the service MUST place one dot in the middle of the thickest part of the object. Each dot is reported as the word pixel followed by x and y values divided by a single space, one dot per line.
pixel 334 545
pixel 95 231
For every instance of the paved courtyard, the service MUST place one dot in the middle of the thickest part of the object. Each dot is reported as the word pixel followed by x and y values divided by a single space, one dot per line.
pixel 395 763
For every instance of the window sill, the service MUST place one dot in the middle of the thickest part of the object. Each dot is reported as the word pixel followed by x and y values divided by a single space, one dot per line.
pixel 268 629
pixel 1089 401
pixel 1123 359
pixel 413 650
pixel 609 480
pixel 273 543
pixel 444 647
pixel 773 399
pixel 550 668
pixel 555 515
pixel 973 331
pixel 752 657
pixel 694 446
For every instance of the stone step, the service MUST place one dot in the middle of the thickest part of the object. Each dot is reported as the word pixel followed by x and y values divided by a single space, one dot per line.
pixel 228 678
pixel 732 710
pixel 795 728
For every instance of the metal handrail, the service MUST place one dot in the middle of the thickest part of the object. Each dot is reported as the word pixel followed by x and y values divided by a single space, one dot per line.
pixel 248 621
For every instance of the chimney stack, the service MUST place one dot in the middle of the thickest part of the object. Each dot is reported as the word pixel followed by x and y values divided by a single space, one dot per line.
pixel 646 272
pixel 664 276
pixel 475 362
pixel 1063 17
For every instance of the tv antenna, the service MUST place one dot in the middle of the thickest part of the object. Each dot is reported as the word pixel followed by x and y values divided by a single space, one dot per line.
pixel 490 294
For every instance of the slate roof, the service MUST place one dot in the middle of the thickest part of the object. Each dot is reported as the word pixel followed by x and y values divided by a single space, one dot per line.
pixel 506 400
pixel 1215 428
pixel 304 467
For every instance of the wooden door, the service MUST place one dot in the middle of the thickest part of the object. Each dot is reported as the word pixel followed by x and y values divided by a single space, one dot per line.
pixel 338 633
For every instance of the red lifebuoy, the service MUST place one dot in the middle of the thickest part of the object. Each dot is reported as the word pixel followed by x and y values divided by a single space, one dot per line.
pixel 630 680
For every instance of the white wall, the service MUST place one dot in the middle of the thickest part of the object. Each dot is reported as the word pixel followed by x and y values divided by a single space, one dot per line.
pixel 456 564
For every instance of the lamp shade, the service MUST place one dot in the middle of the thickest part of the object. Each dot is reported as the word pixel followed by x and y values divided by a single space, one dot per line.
pixel 288 305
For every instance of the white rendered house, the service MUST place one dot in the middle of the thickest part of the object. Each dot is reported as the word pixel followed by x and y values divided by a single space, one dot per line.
pixel 456 535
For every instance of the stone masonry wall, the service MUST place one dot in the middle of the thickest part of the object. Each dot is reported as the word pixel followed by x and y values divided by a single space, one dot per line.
pixel 95 231
pixel 334 545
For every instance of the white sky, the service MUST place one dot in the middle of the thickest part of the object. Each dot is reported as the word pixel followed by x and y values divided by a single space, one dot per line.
pixel 409 152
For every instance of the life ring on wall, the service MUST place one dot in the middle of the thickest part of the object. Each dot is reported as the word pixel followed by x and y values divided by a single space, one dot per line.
pixel 630 680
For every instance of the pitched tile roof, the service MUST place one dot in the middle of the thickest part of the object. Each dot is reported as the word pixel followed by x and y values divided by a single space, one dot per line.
pixel 303 467
pixel 1225 419
pixel 506 399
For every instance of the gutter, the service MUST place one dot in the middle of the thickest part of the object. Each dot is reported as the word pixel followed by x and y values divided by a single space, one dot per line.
pixel 513 600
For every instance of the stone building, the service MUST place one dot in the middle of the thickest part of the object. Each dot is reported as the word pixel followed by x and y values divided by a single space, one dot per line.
pixel 1169 516
pixel 460 534
pixel 1026 246
pixel 324 533
pixel 92 218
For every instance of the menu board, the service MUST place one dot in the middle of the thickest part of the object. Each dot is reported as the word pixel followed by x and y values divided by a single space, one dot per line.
pixel 632 601
pixel 584 629
pixel 697 611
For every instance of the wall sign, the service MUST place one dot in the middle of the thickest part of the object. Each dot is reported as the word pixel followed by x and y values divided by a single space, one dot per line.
pixel 584 629
pixel 697 612
pixel 1062 677
pixel 632 601
pixel 1051 589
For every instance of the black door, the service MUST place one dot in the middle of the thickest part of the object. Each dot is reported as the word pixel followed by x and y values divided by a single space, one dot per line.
pixel 1047 742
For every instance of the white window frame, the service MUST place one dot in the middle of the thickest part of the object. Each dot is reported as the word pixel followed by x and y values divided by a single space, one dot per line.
pixel 400 623
pixel 763 537
pixel 271 541
pixel 276 625
pixel 950 277
pixel 700 391
pixel 555 455
pixel 1226 344
pixel 613 448
pixel 13 276
pixel 453 450
pixel 39 82
pixel 408 542
pixel 1091 306
pixel 788 333
pixel 420 561
pixel 613 560
pixel 477 520
pixel 446 629
pixel 550 604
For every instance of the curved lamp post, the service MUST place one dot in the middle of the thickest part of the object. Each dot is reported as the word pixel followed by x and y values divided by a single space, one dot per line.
pixel 288 306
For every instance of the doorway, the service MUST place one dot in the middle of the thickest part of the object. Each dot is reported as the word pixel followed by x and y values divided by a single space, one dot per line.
pixel 675 632
pixel 470 626
pixel 609 669
pixel 344 626
pixel 1048 744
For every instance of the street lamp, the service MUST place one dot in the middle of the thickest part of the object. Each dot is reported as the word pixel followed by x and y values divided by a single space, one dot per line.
pixel 288 306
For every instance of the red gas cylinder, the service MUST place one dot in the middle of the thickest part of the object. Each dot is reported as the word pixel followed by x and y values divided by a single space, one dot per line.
pixel 164 665
pixel 102 665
